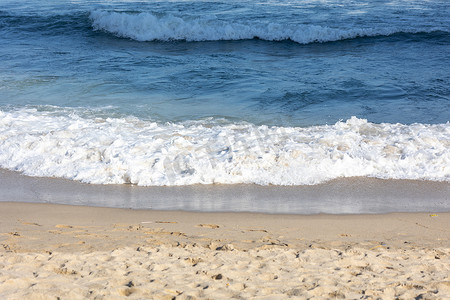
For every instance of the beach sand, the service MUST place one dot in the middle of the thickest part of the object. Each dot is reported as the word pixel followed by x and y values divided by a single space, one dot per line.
pixel 73 252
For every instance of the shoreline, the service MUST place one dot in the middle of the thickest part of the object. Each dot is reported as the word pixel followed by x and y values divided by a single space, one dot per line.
pixel 49 251
pixel 356 195
pixel 41 220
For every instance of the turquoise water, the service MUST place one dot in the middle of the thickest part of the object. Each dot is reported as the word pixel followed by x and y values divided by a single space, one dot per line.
pixel 187 92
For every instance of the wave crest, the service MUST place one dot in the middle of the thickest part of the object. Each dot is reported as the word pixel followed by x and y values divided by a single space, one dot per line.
pixel 151 27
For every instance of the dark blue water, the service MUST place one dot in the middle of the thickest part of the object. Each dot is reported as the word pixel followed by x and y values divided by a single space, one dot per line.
pixel 275 63
pixel 397 72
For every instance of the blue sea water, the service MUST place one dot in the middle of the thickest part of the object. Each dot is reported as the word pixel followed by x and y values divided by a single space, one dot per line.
pixel 186 92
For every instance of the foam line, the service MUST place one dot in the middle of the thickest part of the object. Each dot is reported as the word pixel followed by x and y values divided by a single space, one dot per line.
pixel 130 150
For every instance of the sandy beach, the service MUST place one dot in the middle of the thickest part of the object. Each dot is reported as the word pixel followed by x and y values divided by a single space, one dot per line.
pixel 72 252
pixel 224 149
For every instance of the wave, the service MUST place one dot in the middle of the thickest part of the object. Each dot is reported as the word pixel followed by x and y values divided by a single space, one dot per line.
pixel 152 27
pixel 101 150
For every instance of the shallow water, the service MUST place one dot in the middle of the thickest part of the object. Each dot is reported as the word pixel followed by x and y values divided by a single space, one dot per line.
pixel 356 195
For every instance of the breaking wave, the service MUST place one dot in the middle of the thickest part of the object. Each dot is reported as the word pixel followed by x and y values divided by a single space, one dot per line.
pixel 152 27
pixel 100 150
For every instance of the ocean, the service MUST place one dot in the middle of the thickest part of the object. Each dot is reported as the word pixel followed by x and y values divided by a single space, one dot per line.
pixel 186 93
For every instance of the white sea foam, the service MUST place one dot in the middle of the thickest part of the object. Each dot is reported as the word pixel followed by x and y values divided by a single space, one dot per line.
pixel 129 150
pixel 150 27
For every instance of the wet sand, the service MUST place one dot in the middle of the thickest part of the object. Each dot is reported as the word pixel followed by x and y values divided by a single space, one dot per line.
pixel 355 195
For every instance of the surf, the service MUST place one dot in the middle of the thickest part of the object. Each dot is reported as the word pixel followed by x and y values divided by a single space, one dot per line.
pixel 146 26
pixel 78 145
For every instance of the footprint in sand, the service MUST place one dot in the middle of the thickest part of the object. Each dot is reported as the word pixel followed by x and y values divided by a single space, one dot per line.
pixel 63 226
pixel 31 223
pixel 212 226
pixel 260 230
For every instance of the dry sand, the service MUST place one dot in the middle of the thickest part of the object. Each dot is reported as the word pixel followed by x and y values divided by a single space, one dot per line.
pixel 69 252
